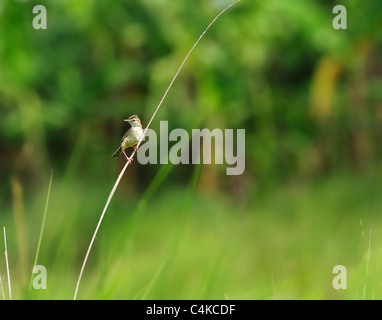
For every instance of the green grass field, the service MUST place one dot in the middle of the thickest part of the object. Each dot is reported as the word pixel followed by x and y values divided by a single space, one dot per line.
pixel 181 244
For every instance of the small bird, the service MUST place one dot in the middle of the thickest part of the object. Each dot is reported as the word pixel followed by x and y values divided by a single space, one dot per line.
pixel 131 137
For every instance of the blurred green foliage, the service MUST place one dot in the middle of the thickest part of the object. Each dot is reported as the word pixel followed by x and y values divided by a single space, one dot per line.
pixel 308 96
pixel 257 69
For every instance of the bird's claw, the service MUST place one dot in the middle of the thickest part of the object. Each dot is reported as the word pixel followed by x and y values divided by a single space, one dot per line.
pixel 130 160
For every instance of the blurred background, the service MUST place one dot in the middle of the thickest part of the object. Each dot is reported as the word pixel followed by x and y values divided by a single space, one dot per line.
pixel 308 96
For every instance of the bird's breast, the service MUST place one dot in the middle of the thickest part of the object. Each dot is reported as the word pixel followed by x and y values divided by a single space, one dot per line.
pixel 132 137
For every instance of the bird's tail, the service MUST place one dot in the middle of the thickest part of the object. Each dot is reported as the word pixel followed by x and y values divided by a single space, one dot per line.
pixel 117 152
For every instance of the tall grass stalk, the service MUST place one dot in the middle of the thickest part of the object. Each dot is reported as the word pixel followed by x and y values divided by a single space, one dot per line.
pixel 366 293
pixel 7 264
pixel 367 257
pixel 1 287
pixel 42 225
pixel 139 142
pixel 154 280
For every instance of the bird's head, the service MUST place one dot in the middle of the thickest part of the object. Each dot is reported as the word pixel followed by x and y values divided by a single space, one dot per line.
pixel 134 121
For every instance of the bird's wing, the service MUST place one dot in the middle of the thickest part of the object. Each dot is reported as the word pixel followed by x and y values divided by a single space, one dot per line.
pixel 126 134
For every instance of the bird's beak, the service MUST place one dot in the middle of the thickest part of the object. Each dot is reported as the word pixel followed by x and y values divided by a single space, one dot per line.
pixel 126 120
